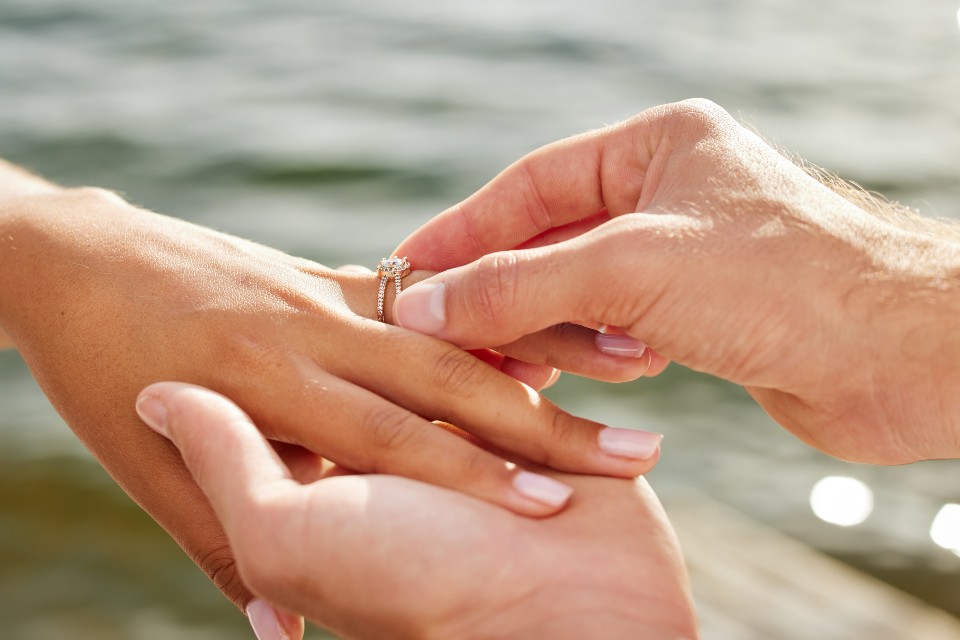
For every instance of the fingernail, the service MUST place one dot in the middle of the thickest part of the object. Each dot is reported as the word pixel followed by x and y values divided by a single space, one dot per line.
pixel 542 489
pixel 620 346
pixel 421 308
pixel 629 443
pixel 154 413
pixel 266 625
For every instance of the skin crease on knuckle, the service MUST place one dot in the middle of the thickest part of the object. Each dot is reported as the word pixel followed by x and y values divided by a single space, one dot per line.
pixel 221 567
pixel 457 374
pixel 388 432
pixel 474 469
pixel 535 208
pixel 566 433
pixel 497 283
pixel 645 246
pixel 697 117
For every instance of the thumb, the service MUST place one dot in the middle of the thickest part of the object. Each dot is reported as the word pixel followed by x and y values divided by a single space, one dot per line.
pixel 231 462
pixel 506 295
pixel 224 451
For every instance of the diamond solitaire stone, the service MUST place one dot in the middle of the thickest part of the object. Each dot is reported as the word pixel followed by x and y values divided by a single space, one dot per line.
pixel 393 267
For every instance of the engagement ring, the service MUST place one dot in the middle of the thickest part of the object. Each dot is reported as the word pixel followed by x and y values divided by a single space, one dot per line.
pixel 392 267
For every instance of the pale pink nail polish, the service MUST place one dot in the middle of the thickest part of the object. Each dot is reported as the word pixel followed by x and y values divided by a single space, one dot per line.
pixel 153 412
pixel 421 308
pixel 542 489
pixel 620 346
pixel 266 625
pixel 629 443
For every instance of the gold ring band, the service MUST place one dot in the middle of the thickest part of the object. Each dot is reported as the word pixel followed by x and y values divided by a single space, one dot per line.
pixel 392 267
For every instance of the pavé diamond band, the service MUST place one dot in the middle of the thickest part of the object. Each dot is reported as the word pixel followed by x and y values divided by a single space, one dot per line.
pixel 387 268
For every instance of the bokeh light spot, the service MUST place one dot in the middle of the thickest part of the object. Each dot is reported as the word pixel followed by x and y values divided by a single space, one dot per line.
pixel 945 530
pixel 841 500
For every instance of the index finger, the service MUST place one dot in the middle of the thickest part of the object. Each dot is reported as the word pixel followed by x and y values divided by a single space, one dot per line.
pixel 555 185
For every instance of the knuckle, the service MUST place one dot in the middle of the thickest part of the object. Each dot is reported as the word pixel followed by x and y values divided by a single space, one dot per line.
pixel 458 373
pixel 389 431
pixel 653 247
pixel 221 567
pixel 474 468
pixel 564 433
pixel 704 107
pixel 535 206
pixel 497 282
pixel 696 117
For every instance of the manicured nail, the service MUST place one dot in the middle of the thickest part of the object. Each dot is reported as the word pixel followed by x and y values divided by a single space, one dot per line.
pixel 154 413
pixel 542 489
pixel 629 443
pixel 266 625
pixel 421 308
pixel 619 345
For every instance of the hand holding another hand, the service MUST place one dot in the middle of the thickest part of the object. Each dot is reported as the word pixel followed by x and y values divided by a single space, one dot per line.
pixel 103 298
pixel 385 557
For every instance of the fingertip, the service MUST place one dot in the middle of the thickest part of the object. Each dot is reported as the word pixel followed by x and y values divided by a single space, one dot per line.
pixel 166 405
pixel 159 390
pixel 540 495
pixel 421 308
pixel 631 444
pixel 154 413
pixel 272 623
pixel 156 402
pixel 292 623
pixel 552 380
pixel 658 364
pixel 223 449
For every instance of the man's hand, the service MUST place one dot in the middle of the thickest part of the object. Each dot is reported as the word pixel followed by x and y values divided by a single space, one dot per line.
pixel 737 263
pixel 385 557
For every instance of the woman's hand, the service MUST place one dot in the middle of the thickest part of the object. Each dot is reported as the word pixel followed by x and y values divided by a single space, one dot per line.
pixel 385 557
pixel 102 298
pixel 840 323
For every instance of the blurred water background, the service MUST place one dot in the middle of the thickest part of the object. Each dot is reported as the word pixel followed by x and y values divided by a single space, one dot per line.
pixel 332 129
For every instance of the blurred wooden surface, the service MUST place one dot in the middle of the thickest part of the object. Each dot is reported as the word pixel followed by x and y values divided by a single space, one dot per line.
pixel 752 582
